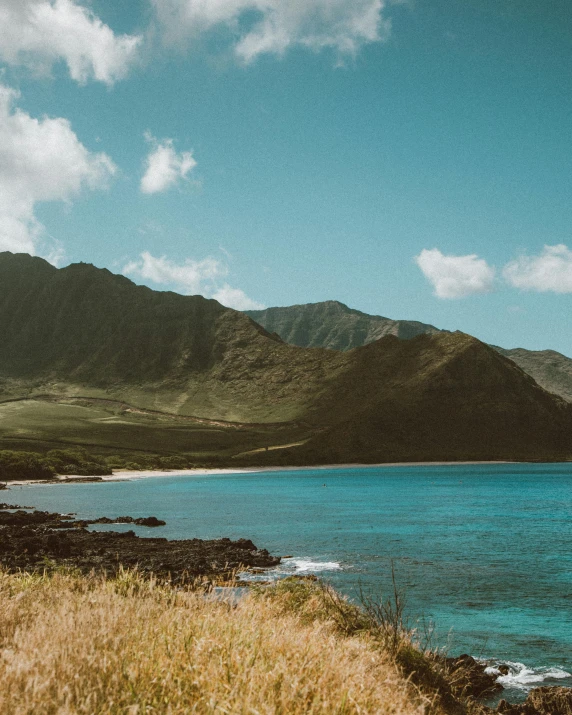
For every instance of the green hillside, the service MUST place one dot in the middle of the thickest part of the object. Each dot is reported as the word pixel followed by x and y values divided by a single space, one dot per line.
pixel 90 359
pixel 333 325
pixel 82 331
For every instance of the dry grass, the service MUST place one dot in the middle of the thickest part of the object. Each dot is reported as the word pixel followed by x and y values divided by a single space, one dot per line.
pixel 70 644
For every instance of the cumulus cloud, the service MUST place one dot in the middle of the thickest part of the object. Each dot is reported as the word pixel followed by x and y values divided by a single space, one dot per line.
pixel 235 298
pixel 273 26
pixel 549 271
pixel 164 166
pixel 39 33
pixel 40 160
pixel 192 278
pixel 455 276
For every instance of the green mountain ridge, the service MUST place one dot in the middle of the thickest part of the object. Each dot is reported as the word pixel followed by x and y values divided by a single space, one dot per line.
pixel 333 325
pixel 89 358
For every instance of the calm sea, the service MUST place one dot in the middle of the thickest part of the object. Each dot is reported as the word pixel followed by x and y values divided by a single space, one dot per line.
pixel 482 551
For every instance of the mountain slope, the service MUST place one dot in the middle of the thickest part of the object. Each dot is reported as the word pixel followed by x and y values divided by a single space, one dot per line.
pixel 119 366
pixel 550 369
pixel 438 397
pixel 333 325
pixel 81 330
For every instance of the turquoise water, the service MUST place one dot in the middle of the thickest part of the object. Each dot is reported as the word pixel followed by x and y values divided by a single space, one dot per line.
pixel 482 551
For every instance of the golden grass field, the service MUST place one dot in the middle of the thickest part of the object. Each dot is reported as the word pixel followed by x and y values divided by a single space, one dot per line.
pixel 71 644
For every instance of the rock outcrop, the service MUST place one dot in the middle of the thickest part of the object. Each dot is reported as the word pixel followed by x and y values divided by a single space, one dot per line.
pixel 36 540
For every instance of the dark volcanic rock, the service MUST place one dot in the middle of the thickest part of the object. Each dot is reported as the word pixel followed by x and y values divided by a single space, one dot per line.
pixel 150 521
pixel 141 521
pixel 471 676
pixel 14 506
pixel 34 540
pixel 541 701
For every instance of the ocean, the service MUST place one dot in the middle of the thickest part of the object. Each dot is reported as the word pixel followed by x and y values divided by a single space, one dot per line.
pixel 483 553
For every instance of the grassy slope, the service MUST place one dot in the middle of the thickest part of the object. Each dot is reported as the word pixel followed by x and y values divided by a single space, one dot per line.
pixel 72 644
pixel 113 428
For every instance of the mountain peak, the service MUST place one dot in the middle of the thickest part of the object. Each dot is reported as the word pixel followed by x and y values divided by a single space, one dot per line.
pixel 333 325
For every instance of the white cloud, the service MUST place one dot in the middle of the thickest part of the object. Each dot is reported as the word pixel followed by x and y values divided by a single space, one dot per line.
pixel 549 271
pixel 273 26
pixel 164 166
pixel 40 160
pixel 56 254
pixel 235 298
pixel 39 33
pixel 192 278
pixel 455 276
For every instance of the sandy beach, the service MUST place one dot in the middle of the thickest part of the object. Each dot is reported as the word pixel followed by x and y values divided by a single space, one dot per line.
pixel 142 474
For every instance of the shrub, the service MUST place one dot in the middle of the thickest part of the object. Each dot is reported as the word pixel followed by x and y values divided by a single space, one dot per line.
pixel 24 465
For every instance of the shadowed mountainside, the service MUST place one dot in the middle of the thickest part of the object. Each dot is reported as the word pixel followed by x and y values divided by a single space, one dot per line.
pixel 437 397
pixel 333 325
pixel 90 358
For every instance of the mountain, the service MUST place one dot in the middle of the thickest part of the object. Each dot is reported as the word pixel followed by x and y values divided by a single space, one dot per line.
pixel 89 358
pixel 551 370
pixel 432 397
pixel 81 330
pixel 333 325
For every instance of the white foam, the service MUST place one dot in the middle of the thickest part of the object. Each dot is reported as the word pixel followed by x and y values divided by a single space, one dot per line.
pixel 523 677
pixel 290 567
pixel 308 566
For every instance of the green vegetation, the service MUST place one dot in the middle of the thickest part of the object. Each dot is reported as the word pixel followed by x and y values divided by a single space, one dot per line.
pixel 23 465
pixel 131 435
pixel 76 461
pixel 19 465
pixel 32 465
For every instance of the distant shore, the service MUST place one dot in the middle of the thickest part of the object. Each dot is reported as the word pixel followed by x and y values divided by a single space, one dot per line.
pixel 127 475
pixel 144 473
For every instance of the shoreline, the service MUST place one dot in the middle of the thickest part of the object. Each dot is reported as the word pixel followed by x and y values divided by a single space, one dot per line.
pixel 146 473
pixel 129 475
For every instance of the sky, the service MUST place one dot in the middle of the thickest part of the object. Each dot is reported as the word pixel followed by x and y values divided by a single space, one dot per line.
pixel 408 158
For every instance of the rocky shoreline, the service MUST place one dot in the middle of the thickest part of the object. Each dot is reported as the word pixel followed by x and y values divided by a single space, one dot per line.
pixel 34 540
pixel 471 680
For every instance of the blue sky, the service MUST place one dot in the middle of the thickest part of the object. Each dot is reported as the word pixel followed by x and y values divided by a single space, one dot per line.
pixel 410 159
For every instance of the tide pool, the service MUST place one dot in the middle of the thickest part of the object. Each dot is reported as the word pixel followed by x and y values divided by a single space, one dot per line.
pixel 483 552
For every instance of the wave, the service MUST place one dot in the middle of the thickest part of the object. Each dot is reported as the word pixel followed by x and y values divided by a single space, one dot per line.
pixel 292 566
pixel 308 566
pixel 523 677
